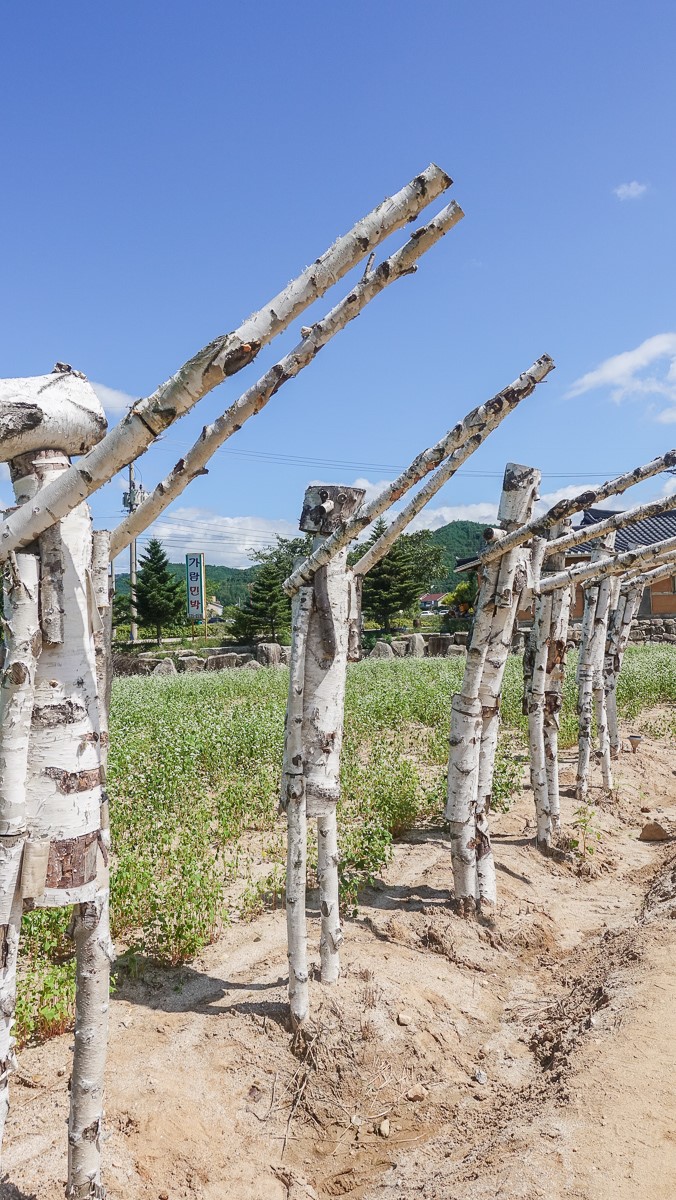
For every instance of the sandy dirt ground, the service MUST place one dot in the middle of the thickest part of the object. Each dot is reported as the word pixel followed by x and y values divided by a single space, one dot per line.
pixel 535 1059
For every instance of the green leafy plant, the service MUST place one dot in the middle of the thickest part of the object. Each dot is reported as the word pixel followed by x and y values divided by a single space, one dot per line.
pixel 584 845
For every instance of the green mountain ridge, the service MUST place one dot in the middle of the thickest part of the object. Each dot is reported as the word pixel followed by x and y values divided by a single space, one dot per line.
pixel 230 585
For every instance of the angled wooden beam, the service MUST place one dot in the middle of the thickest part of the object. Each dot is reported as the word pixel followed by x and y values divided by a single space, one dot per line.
pixel 402 263
pixel 478 424
pixel 223 357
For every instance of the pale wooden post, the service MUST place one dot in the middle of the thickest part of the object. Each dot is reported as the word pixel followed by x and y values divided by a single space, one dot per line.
pixel 547 655
pixel 64 860
pixel 590 664
pixel 473 745
pixel 330 612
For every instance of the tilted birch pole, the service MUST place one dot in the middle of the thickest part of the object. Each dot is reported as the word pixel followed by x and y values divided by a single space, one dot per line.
pixel 427 461
pixel 22 647
pixel 634 560
pixel 225 356
pixel 591 533
pixel 401 263
pixel 475 710
pixel 478 424
pixel 563 509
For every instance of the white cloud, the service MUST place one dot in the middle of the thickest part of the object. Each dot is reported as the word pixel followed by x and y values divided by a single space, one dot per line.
pixel 484 511
pixel 630 191
pixel 628 374
pixel 549 499
pixel 226 541
pixel 113 401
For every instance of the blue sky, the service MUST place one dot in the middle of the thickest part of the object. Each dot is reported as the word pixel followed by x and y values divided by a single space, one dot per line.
pixel 168 167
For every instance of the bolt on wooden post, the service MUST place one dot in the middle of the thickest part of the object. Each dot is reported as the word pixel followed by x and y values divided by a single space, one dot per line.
pixel 322 641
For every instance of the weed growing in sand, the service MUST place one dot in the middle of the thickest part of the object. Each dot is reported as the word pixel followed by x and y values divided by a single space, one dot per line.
pixel 588 835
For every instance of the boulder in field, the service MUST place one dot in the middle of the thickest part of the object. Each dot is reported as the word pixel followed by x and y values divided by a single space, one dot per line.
pixel 399 648
pixel 221 662
pixel 191 663
pixel 416 645
pixel 166 666
pixel 382 650
pixel 252 665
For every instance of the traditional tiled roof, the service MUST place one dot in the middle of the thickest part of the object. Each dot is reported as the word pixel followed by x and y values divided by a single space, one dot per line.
pixel 641 533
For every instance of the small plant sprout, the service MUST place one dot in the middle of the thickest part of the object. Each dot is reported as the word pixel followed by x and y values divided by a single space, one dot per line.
pixel 587 833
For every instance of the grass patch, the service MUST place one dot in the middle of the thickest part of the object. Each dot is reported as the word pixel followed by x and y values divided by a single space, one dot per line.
pixel 194 770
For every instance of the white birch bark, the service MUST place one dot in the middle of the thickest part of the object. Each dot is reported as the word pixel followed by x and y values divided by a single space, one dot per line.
pixel 428 460
pixel 608 597
pixel 540 636
pixel 210 366
pixel 64 768
pixel 64 798
pixel 292 801
pixel 556 669
pixel 589 669
pixel 323 722
pixel 622 619
pixel 256 397
pixel 590 533
pixel 564 509
pixel 475 712
pixel 94 955
pixel 103 634
pixel 476 427
pixel 618 564
pixel 22 647
pixel 662 570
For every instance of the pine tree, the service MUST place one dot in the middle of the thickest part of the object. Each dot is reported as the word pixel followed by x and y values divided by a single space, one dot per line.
pixel 395 584
pixel 268 605
pixel 160 598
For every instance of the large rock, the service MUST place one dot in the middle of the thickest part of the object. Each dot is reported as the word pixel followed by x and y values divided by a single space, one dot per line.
pixel 130 664
pixel 243 659
pixel 438 643
pixel 461 637
pixel 399 648
pixel 190 663
pixel 221 662
pixel 654 832
pixel 166 666
pixel 456 652
pixel 285 655
pixel 269 654
pixel 252 665
pixel 382 650
pixel 416 645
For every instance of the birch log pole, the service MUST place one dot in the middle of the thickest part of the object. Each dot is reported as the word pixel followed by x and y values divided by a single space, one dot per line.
pixel 22 646
pixel 555 676
pixel 564 509
pixel 292 802
pixel 425 462
pixel 619 628
pixel 400 264
pixel 64 859
pixel 223 357
pixel 320 650
pixel 590 674
pixel 635 561
pixel 475 710
pixel 478 424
